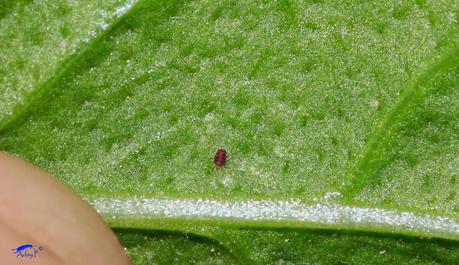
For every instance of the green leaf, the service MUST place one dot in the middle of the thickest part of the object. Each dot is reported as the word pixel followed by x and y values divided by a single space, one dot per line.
pixel 285 247
pixel 338 115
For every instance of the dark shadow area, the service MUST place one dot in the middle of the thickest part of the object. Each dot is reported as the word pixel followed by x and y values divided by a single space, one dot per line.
pixel 168 247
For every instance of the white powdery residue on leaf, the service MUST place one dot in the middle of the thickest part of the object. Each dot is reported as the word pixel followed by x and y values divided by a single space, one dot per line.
pixel 266 210
pixel 332 195
pixel 122 10
pixel 107 18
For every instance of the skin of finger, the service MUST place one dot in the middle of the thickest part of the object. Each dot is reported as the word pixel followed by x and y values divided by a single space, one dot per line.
pixel 10 238
pixel 35 207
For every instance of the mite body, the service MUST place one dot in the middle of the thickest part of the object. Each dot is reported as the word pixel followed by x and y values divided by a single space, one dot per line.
pixel 220 158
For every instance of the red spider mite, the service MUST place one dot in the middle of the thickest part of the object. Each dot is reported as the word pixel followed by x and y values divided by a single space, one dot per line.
pixel 220 158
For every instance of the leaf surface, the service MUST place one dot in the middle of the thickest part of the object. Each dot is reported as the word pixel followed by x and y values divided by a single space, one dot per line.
pixel 336 104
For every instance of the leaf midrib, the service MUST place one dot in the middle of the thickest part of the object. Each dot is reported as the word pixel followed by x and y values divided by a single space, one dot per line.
pixel 151 213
